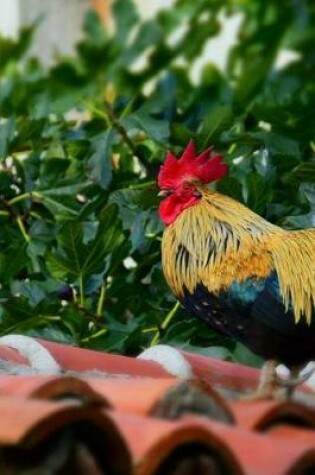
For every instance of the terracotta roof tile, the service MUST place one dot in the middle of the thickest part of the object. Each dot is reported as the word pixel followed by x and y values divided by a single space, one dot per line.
pixel 299 434
pixel 35 419
pixel 261 415
pixel 156 445
pixel 112 414
pixel 262 454
pixel 58 429
pixel 49 387
pixel 164 398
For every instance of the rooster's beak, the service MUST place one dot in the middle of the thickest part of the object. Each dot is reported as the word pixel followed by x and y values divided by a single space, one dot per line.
pixel 164 193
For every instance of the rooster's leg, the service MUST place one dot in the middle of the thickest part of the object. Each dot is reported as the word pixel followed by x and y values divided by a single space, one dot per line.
pixel 268 380
pixel 268 383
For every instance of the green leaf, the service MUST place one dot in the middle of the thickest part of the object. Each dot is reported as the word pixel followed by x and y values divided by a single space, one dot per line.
pixel 61 199
pixel 109 228
pixel 151 116
pixel 12 261
pixel 78 259
pixel 219 118
pixel 77 148
pixel 219 352
pixel 12 50
pixel 308 190
pixel 7 128
pixel 60 206
pixel 135 210
pixel 279 144
pixel 254 73
pixel 18 309
pixel 304 172
pixel 30 129
pixel 60 267
pixel 245 356
pixel 118 336
pixel 257 193
pixel 159 130
pixel 149 33
pixel 232 187
pixel 125 17
pixel 100 162
pixel 93 28
pixel 71 261
pixel 64 188
pixel 30 290
pixel 299 222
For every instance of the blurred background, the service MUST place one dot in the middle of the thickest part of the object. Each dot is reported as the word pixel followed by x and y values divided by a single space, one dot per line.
pixel 60 24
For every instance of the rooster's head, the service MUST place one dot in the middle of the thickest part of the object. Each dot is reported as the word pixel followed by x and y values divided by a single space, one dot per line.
pixel 179 177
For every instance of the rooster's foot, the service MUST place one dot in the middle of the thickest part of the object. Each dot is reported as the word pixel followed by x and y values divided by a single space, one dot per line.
pixel 273 386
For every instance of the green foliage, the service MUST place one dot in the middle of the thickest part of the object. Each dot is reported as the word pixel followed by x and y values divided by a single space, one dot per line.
pixel 80 148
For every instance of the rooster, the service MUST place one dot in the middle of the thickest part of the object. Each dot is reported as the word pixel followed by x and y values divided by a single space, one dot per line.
pixel 241 275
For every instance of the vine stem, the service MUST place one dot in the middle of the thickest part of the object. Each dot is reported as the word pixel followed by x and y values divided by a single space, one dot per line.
pixel 165 323
pixel 18 218
pixel 140 186
pixel 97 112
pixel 113 122
pixel 22 197
pixel 87 339
pixel 101 300
pixel 81 290
pixel 22 229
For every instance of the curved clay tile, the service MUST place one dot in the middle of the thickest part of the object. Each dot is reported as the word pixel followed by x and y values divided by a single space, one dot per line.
pixel 49 387
pixel 177 446
pixel 43 431
pixel 164 398
pixel 262 454
pixel 263 415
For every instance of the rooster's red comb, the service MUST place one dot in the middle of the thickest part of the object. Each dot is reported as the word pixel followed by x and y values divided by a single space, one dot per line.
pixel 205 167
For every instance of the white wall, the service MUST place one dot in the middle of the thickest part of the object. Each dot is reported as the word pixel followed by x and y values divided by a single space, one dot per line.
pixel 9 17
pixel 58 30
pixel 60 26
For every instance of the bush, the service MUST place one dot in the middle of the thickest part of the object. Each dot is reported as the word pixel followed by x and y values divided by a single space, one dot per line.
pixel 80 148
